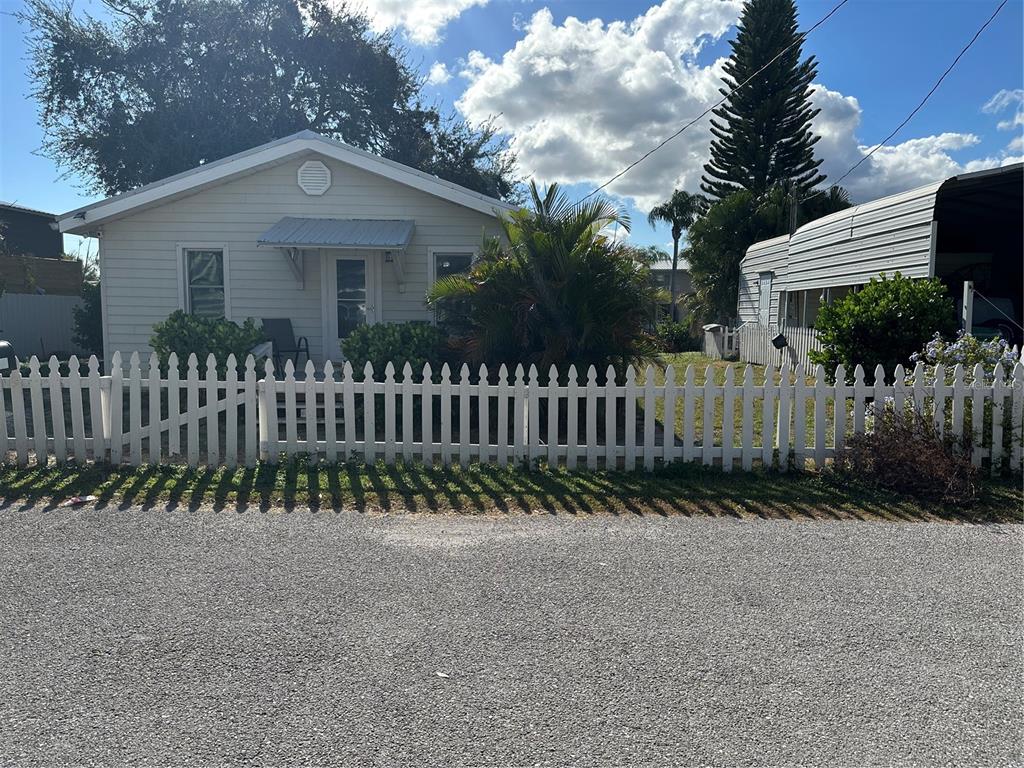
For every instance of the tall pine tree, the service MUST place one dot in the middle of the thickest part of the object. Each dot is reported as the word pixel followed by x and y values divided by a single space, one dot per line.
pixel 763 131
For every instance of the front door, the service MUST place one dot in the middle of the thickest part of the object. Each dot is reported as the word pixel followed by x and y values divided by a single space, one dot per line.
pixel 350 297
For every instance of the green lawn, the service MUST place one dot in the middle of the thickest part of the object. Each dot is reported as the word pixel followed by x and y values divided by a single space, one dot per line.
pixel 678 489
pixel 701 363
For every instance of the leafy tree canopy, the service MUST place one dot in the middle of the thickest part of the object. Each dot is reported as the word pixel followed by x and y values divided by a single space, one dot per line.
pixel 719 240
pixel 763 130
pixel 166 85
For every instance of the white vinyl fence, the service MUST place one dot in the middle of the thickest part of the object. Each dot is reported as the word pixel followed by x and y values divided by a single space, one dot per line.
pixel 143 415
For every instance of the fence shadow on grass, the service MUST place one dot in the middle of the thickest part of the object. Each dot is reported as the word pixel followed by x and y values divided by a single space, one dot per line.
pixel 682 489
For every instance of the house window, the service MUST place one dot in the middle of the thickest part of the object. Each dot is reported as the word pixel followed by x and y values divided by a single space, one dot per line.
pixel 451 263
pixel 444 262
pixel 204 281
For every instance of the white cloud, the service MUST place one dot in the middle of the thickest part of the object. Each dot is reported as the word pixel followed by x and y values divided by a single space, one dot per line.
pixel 583 99
pixel 1004 100
pixel 439 74
pixel 420 20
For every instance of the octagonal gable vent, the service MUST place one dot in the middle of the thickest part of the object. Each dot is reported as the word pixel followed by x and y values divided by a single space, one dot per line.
pixel 314 177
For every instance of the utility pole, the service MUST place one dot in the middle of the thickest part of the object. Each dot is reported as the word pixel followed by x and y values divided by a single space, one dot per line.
pixel 794 206
pixel 967 308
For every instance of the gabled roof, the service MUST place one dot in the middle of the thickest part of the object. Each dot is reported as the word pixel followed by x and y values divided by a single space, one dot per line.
pixel 84 219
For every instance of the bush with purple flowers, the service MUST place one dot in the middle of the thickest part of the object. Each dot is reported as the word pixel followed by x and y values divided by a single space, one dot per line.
pixel 968 350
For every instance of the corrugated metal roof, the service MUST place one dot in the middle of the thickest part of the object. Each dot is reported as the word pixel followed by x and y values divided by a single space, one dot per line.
pixel 296 232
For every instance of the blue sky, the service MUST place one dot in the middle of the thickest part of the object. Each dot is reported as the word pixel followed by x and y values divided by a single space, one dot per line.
pixel 584 87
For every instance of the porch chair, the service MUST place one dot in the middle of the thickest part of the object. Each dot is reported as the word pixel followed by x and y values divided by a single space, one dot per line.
pixel 281 335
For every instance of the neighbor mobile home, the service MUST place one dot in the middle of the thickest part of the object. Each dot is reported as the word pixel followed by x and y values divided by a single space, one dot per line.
pixel 304 228
pixel 965 228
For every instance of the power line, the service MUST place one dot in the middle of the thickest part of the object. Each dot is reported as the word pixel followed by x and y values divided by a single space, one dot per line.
pixel 799 40
pixel 916 109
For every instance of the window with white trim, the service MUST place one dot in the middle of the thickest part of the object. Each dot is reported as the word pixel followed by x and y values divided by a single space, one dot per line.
pixel 204 282
pixel 451 263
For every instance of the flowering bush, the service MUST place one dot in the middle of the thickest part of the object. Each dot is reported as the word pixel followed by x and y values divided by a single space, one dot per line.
pixel 968 351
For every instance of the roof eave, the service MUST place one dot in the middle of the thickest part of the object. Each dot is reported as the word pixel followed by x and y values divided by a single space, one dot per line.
pixel 221 171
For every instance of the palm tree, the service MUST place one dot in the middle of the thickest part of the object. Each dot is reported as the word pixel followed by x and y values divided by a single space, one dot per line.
pixel 681 211
pixel 558 291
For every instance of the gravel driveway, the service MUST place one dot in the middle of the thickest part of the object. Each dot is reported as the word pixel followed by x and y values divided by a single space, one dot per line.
pixel 132 637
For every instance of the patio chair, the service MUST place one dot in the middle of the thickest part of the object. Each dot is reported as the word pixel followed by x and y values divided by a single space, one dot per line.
pixel 281 335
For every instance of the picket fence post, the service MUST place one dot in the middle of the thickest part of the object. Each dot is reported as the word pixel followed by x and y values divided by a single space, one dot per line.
pixel 77 412
pixel 1017 415
pixel 446 415
pixel 669 420
pixel 192 411
pixel 153 443
pixel 611 405
pixel 552 425
pixel 35 386
pixel 465 392
pixel 173 406
pixel 728 404
pixel 998 395
pixel 591 418
pixel 483 416
pixel 370 416
pixel 60 443
pixel 231 414
pixel 115 412
pixel 389 413
pixel 135 410
pixel 502 438
pixel 533 416
pixel 426 416
pixel 630 420
pixel 4 447
pixel 97 407
pixel 572 432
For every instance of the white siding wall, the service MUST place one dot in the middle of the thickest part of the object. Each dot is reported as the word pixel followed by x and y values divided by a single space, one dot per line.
pixel 889 235
pixel 140 252
pixel 766 256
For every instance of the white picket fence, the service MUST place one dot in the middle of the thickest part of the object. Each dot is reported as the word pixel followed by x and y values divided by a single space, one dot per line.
pixel 145 416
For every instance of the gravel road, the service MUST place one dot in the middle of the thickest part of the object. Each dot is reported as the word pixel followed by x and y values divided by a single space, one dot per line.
pixel 132 637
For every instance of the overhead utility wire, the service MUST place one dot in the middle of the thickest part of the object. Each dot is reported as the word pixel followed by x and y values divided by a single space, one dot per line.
pixel 800 38
pixel 916 109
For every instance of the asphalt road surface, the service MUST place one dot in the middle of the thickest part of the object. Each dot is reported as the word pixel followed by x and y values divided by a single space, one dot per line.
pixel 132 637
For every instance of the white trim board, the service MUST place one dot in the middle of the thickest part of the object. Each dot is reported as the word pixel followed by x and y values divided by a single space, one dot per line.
pixel 83 221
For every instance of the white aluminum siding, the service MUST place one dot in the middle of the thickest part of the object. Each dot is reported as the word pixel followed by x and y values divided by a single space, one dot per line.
pixel 889 235
pixel 765 256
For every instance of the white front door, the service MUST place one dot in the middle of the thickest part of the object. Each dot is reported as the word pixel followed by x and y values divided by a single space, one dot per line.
pixel 350 296
pixel 764 298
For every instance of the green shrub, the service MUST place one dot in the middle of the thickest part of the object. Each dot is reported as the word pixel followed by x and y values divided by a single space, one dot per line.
pixel 676 337
pixel 87 326
pixel 397 343
pixel 884 323
pixel 184 334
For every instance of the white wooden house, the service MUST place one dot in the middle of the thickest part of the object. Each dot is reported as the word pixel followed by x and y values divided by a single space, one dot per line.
pixel 305 228
pixel 965 228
